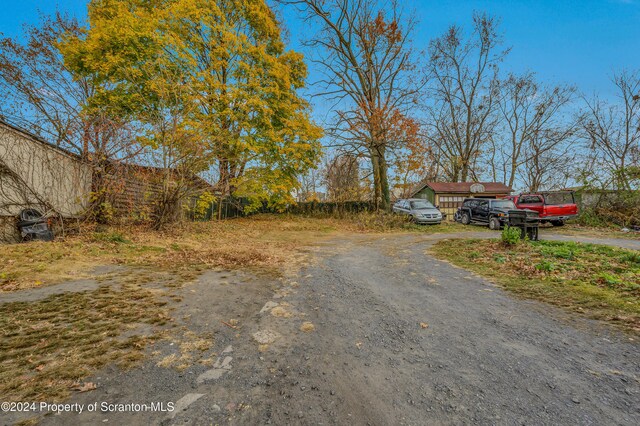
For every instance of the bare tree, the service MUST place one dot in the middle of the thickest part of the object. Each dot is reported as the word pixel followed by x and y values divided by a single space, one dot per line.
pixel 532 124
pixel 465 93
pixel 550 161
pixel 342 178
pixel 414 164
pixel 41 94
pixel 310 185
pixel 364 52
pixel 613 131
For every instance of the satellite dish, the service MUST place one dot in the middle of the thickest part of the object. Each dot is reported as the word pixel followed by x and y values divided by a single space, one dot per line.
pixel 477 187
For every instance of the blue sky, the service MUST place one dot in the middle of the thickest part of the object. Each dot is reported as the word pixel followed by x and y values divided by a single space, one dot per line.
pixel 573 41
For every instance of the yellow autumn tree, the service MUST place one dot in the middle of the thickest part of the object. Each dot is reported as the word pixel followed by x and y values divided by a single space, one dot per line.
pixel 235 85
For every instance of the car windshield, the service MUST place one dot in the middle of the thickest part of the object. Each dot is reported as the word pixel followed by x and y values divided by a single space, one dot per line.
pixel 553 198
pixel 419 205
pixel 503 204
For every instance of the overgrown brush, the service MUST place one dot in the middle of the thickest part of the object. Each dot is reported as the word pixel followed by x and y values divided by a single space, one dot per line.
pixel 621 209
pixel 511 236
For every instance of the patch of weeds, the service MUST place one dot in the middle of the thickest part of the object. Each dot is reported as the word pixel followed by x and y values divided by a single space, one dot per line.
pixel 474 255
pixel 499 258
pixel 281 312
pixel 191 346
pixel 546 266
pixel 511 235
pixel 609 279
pixel 111 237
pixel 307 327
pixel 559 251
pixel 47 346
pixel 632 258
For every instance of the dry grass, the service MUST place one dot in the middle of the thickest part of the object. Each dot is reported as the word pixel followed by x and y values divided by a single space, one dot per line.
pixel 281 312
pixel 307 327
pixel 257 242
pixel 262 241
pixel 48 346
pixel 598 232
pixel 599 281
pixel 192 348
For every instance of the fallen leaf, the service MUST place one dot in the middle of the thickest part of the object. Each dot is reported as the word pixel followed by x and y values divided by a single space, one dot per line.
pixel 40 367
pixel 424 325
pixel 359 345
pixel 84 387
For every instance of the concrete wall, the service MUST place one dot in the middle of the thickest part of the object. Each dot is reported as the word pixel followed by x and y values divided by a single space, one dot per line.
pixel 8 230
pixel 587 199
pixel 34 174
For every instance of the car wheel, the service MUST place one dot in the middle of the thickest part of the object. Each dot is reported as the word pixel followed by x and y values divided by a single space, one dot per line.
pixel 494 224
pixel 557 223
pixel 465 219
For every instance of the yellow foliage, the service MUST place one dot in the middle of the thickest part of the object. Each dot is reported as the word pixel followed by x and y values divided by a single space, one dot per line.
pixel 220 71
pixel 203 204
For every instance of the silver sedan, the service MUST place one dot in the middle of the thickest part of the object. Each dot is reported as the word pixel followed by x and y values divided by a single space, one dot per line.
pixel 419 210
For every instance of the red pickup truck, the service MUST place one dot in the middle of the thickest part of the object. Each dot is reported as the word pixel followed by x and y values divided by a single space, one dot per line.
pixel 554 207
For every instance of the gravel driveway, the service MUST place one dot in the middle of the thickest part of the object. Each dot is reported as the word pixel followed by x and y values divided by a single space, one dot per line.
pixel 399 338
pixel 484 358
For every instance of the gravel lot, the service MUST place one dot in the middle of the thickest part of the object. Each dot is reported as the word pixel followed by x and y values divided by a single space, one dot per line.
pixel 373 330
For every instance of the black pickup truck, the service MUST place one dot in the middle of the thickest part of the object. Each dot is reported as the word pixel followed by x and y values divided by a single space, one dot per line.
pixel 495 213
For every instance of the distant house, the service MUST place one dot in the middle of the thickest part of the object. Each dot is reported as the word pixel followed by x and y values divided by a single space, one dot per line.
pixel 37 174
pixel 448 196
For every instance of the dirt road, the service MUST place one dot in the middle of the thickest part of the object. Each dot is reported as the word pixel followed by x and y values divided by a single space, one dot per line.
pixel 376 331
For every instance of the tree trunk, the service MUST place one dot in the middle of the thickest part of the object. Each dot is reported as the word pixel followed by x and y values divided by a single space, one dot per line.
pixel 377 194
pixel 223 184
pixel 464 173
pixel 384 183
pixel 512 175
pixel 381 197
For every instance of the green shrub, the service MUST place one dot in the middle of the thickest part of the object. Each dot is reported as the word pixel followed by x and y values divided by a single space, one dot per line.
pixel 546 266
pixel 590 218
pixel 511 235
pixel 608 279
